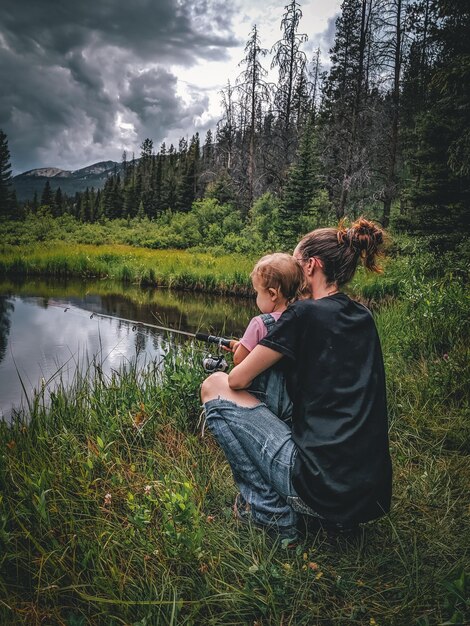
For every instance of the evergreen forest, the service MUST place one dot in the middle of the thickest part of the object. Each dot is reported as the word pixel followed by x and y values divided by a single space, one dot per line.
pixel 383 132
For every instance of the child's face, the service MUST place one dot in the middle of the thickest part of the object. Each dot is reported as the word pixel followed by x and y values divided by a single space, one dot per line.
pixel 265 298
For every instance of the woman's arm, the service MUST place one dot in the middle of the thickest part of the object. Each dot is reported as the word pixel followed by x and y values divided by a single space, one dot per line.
pixel 259 359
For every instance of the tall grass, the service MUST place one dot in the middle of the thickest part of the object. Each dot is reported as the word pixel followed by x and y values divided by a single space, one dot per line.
pixel 177 269
pixel 114 509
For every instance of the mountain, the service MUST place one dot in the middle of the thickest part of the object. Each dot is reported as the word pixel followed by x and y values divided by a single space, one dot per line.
pixel 27 183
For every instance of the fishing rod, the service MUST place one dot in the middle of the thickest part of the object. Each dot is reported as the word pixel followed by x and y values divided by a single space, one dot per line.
pixel 210 363
pixel 136 325
pixel 214 339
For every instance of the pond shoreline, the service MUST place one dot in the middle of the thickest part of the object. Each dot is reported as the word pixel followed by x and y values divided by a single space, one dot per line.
pixel 43 324
pixel 200 272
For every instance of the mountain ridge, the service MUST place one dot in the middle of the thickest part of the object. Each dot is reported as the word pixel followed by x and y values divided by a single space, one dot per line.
pixel 32 181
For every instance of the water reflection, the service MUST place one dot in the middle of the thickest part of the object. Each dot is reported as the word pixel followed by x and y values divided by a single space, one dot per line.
pixel 47 329
pixel 6 309
pixel 180 310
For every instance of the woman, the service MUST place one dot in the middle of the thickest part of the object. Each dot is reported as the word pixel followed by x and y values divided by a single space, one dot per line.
pixel 334 464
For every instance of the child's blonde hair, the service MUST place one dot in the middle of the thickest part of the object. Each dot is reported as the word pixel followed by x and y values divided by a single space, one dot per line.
pixel 281 271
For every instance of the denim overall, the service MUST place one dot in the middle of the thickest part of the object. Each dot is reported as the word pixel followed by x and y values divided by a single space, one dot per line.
pixel 270 386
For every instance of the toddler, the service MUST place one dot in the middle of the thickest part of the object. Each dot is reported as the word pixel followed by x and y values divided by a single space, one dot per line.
pixel 278 279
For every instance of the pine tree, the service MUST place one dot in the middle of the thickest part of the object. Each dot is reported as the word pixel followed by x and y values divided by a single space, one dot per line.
pixel 7 196
pixel 345 114
pixel 169 179
pixel 440 197
pixel 254 91
pixel 47 197
pixel 158 204
pixel 208 150
pixel 58 202
pixel 97 209
pixel 85 207
pixel 291 61
pixel 226 129
pixel 391 24
pixel 301 185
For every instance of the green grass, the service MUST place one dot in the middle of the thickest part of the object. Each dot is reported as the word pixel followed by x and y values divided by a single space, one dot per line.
pixel 176 269
pixel 162 547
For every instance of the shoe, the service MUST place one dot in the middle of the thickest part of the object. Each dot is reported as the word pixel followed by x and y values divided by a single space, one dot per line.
pixel 241 509
pixel 289 538
pixel 309 524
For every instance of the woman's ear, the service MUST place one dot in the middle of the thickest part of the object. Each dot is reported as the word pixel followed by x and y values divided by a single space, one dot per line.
pixel 311 263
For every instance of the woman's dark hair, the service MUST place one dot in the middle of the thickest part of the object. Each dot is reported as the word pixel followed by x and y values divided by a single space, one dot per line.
pixel 340 249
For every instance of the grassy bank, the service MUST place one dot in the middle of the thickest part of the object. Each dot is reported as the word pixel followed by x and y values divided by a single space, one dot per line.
pixel 177 269
pixel 114 509
pixel 208 271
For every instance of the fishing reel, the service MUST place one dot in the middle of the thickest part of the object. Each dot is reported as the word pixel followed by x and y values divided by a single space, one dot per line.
pixel 215 363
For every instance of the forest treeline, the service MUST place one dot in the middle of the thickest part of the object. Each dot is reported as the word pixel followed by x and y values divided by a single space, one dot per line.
pixel 385 131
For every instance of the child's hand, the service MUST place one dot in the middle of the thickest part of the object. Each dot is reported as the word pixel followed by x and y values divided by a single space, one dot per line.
pixel 233 346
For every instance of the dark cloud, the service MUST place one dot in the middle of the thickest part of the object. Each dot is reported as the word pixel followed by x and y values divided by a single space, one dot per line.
pixel 84 80
pixel 171 29
pixel 152 97
pixel 326 38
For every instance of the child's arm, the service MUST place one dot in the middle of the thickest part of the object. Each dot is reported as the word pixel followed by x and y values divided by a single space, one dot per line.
pixel 251 337
pixel 239 352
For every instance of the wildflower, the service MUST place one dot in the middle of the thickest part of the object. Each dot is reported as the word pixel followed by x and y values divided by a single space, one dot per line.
pixel 445 357
pixel 107 499
pixel 147 489
pixel 140 417
pixel 313 566
pixel 210 518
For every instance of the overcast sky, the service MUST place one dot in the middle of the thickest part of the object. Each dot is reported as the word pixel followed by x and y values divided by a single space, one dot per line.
pixel 83 81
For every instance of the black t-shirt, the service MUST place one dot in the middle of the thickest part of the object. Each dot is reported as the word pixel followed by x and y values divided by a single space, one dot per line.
pixel 335 376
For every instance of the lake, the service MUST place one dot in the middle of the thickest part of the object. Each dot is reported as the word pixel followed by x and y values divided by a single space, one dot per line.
pixel 49 328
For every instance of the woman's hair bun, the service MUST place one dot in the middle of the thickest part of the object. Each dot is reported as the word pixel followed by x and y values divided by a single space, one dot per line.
pixel 365 238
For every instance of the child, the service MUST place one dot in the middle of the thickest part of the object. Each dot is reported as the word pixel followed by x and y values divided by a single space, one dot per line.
pixel 278 279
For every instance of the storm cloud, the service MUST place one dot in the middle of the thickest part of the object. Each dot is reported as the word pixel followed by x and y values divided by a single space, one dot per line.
pixel 83 81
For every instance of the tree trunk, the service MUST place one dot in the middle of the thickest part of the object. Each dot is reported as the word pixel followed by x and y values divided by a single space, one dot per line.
pixel 390 186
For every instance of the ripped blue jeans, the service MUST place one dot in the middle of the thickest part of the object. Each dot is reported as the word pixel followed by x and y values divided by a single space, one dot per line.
pixel 261 454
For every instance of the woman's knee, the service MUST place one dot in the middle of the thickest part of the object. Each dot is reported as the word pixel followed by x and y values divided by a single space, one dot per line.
pixel 216 386
pixel 213 385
